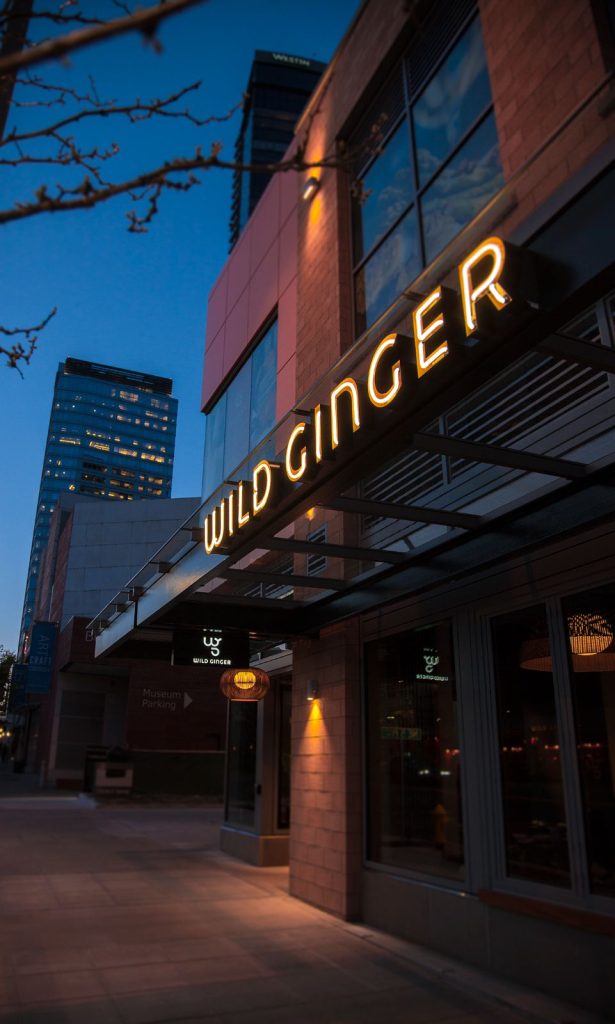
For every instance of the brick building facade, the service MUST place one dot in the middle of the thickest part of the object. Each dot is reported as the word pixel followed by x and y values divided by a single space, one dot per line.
pixel 442 569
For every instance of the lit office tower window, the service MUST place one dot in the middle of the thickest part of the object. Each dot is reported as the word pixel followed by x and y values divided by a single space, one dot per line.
pixel 111 435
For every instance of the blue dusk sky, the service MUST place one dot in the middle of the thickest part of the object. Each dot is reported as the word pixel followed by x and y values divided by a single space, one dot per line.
pixel 137 301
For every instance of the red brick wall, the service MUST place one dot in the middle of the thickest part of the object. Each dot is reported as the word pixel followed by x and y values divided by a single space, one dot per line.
pixel 324 303
pixel 325 835
pixel 544 60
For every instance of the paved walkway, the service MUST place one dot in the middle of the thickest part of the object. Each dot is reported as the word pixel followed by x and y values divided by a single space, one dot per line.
pixel 130 915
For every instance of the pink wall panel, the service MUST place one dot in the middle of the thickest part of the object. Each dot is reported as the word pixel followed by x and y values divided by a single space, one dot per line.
pixel 289 192
pixel 238 269
pixel 237 336
pixel 263 291
pixel 286 390
pixel 216 309
pixel 264 223
pixel 212 369
pixel 287 325
pixel 259 275
pixel 287 269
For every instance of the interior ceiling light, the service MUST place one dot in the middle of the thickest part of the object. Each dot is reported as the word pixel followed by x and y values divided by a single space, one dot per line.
pixel 589 635
pixel 244 683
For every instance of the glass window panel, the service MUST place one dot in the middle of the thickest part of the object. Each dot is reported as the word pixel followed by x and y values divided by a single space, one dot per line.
pixel 388 190
pixel 534 815
pixel 589 620
pixel 451 103
pixel 237 432
pixel 414 783
pixel 284 748
pixel 213 469
pixel 241 762
pixel 387 272
pixel 465 185
pixel 264 376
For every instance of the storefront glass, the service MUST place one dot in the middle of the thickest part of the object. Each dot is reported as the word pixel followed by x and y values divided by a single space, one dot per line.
pixel 241 763
pixel 535 825
pixel 285 710
pixel 589 619
pixel 413 755
pixel 243 415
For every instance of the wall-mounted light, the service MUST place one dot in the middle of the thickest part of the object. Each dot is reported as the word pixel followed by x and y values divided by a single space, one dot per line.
pixel 310 188
pixel 312 690
pixel 244 683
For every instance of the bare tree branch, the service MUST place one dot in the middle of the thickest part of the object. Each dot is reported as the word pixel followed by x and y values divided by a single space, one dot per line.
pixel 137 111
pixel 146 22
pixel 86 194
pixel 22 352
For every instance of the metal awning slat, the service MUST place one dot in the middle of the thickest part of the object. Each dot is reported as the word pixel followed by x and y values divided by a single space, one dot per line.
pixel 586 353
pixel 282 579
pixel 473 451
pixel 412 513
pixel 309 547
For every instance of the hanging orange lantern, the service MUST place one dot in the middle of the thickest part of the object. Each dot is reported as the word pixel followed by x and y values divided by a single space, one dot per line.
pixel 244 683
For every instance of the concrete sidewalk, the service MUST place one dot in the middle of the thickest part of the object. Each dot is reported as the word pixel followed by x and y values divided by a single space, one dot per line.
pixel 131 914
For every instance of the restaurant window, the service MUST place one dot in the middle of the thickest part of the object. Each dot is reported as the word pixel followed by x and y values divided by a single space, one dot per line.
pixel 243 415
pixel 413 753
pixel 241 763
pixel 535 826
pixel 589 623
pixel 426 159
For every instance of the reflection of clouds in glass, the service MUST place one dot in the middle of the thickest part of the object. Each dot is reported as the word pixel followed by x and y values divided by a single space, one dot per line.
pixel 462 189
pixel 389 187
pixel 439 106
pixel 452 101
pixel 394 198
pixel 389 271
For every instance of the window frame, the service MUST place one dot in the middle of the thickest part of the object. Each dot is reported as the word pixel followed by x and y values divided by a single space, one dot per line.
pixel 579 895
pixel 462 885
pixel 409 102
pixel 247 354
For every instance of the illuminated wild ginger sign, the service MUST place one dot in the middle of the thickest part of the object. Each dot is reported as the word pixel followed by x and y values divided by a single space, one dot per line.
pixel 439 321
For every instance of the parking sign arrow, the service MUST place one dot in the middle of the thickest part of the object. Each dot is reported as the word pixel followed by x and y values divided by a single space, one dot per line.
pixel 187 700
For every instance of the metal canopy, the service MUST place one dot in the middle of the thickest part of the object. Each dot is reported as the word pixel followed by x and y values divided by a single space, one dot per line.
pixel 454 537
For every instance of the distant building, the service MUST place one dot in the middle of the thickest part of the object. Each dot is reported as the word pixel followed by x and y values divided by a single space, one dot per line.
pixel 111 435
pixel 94 549
pixel 277 91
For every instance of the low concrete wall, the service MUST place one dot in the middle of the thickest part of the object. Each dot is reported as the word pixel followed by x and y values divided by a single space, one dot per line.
pixel 543 954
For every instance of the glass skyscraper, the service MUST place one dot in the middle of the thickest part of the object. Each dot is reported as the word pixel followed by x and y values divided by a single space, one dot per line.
pixel 111 435
pixel 278 90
